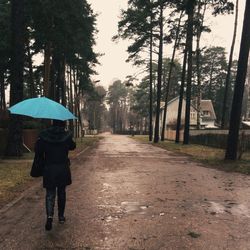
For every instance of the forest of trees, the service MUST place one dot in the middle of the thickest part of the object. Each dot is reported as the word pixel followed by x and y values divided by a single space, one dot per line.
pixel 192 72
pixel 62 35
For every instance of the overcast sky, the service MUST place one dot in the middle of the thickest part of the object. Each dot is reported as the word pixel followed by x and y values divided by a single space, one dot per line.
pixel 113 63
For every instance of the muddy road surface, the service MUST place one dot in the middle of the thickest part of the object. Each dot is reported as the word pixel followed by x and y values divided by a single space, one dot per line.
pixel 127 195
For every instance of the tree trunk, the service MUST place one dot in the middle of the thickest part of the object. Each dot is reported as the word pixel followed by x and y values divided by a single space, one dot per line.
pixel 2 89
pixel 190 11
pixel 151 84
pixel 198 54
pixel 77 103
pixel 114 119
pixel 75 100
pixel 57 65
pixel 47 61
pixel 31 76
pixel 62 81
pixel 235 119
pixel 169 80
pixel 159 77
pixel 71 123
pixel 15 141
pixel 52 89
pixel 228 77
pixel 211 80
pixel 183 76
pixel 67 81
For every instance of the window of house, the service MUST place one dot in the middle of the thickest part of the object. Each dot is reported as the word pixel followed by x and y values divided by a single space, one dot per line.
pixel 206 113
pixel 192 115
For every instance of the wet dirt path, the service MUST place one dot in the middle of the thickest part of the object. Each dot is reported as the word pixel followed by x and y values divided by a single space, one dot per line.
pixel 129 195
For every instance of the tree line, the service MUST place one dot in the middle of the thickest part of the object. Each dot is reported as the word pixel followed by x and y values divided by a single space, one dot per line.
pixel 203 72
pixel 62 35
pixel 135 97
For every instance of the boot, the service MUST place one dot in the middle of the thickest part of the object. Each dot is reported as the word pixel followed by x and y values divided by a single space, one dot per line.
pixel 48 225
pixel 61 219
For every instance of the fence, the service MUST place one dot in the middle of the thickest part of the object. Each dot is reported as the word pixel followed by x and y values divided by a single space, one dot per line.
pixel 212 140
pixel 29 139
pixel 170 134
pixel 212 137
pixel 129 132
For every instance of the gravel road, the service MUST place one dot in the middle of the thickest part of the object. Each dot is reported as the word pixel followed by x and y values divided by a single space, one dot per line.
pixel 127 195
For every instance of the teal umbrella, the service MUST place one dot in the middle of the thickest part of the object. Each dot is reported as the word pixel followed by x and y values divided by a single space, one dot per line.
pixel 42 107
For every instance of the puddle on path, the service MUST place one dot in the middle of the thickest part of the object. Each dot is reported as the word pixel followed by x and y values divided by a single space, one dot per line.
pixel 134 207
pixel 241 209
pixel 217 207
pixel 231 207
pixel 111 218
pixel 106 187
pixel 125 208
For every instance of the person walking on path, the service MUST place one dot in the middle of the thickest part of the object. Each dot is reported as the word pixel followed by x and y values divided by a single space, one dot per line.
pixel 52 149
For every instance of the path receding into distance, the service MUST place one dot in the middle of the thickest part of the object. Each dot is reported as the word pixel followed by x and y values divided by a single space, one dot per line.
pixel 130 195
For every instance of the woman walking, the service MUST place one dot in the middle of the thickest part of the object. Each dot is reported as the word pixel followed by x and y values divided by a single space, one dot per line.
pixel 52 149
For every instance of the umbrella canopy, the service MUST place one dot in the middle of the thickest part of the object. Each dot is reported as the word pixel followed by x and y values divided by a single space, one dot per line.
pixel 42 107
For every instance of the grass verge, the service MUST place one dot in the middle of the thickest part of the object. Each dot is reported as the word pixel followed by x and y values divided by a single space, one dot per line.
pixel 14 173
pixel 83 143
pixel 14 179
pixel 211 157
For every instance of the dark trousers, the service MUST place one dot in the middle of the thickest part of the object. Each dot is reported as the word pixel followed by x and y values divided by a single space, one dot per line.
pixel 50 200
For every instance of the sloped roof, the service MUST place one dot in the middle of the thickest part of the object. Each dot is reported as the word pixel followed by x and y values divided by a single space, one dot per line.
pixel 247 123
pixel 205 105
pixel 173 100
pixel 208 106
pixel 169 102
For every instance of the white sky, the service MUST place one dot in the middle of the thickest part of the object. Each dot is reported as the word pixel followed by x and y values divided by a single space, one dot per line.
pixel 113 63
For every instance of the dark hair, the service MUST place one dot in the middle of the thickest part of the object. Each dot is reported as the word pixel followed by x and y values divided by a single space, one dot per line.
pixel 59 123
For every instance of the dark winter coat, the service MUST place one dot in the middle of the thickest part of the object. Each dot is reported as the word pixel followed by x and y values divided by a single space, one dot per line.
pixel 53 146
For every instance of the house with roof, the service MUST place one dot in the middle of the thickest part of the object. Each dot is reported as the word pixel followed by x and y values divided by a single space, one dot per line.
pixel 208 116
